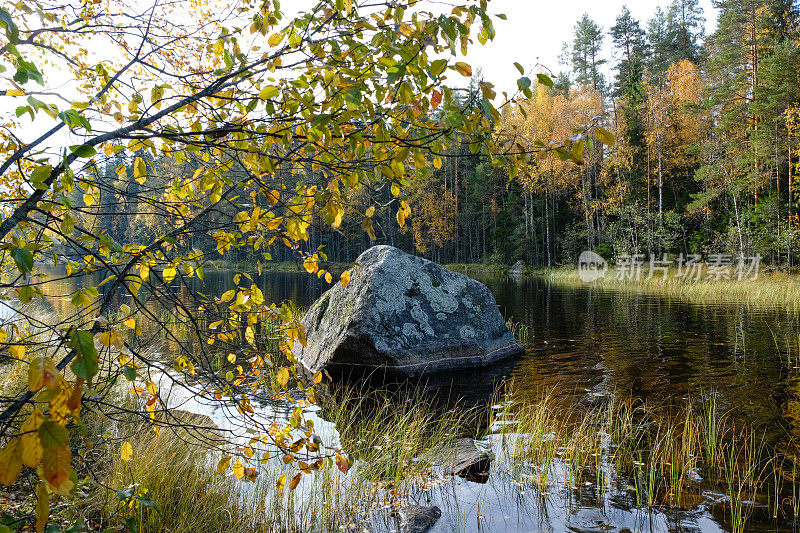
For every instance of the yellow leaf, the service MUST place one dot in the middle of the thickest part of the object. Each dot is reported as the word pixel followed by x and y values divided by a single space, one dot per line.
pixel 126 452
pixel 310 264
pixel 169 273
pixel 223 464
pixel 283 377
pixel 342 463
pixel 294 482
pixel 56 467
pixel 437 162
pixel 270 91
pixel 43 373
pixel 344 279
pixel 401 217
pixel 139 168
pixel 15 92
pixel 256 295
pixel 250 335
pixel 273 197
pixel 238 469
pixel 337 220
pixel 111 338
pixel 17 351
pixel 281 482
pixel 29 437
pixel 370 211
pixel 274 39
pixel 10 462
pixel 42 506
pixel 464 69
pixel 328 277
pixel 318 377
pixel 130 322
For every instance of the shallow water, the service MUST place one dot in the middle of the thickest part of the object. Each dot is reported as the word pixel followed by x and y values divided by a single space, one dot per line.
pixel 588 344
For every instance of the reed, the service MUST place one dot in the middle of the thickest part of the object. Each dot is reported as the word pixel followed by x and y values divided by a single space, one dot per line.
pixel 770 289
pixel 663 457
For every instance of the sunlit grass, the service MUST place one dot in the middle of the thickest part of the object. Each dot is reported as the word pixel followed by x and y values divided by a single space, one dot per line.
pixel 770 289
pixel 659 456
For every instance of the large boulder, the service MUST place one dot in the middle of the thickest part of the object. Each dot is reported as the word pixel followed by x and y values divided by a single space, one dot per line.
pixel 405 315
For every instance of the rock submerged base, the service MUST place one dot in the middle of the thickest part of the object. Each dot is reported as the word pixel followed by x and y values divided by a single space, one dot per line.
pixel 406 316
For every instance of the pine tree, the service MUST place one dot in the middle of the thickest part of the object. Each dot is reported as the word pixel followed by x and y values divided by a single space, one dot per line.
pixel 685 24
pixel 629 43
pixel 658 45
pixel 586 47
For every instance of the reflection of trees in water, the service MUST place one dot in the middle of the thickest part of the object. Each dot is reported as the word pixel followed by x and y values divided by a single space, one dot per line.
pixel 591 343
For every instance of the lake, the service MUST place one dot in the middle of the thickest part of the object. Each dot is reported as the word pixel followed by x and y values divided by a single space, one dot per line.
pixel 587 345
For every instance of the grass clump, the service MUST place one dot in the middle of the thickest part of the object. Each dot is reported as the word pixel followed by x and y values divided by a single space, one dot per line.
pixel 169 484
pixel 770 289
pixel 655 456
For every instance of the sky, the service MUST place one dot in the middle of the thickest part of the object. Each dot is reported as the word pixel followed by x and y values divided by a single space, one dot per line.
pixel 535 30
pixel 532 35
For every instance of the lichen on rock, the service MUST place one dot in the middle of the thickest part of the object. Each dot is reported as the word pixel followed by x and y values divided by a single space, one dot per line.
pixel 406 314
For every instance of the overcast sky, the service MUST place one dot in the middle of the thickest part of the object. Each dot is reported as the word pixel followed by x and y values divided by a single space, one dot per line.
pixel 535 30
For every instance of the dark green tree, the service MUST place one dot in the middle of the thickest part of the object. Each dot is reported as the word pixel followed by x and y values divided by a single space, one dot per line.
pixel 587 45
pixel 630 45
pixel 685 24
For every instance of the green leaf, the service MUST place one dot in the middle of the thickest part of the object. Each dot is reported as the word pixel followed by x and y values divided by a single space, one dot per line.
pixel 12 32
pixel 86 365
pixel 545 80
pixel 438 66
pixel 524 83
pixel 354 96
pixel 605 136
pixel 23 259
pixel 53 436
pixel 40 175
pixel 519 68
pixel 83 150
pixel 129 372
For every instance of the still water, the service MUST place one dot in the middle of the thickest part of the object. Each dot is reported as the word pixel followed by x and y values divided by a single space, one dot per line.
pixel 588 344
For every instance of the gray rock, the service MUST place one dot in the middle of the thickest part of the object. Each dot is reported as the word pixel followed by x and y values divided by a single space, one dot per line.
pixel 405 314
pixel 462 458
pixel 418 519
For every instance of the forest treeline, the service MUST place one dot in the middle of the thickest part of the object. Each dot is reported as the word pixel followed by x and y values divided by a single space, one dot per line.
pixel 705 158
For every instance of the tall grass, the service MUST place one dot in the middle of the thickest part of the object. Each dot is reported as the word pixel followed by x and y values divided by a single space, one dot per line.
pixel 657 456
pixel 667 456
pixel 770 289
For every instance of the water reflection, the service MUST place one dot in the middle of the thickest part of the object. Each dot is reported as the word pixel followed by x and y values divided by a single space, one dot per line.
pixel 589 344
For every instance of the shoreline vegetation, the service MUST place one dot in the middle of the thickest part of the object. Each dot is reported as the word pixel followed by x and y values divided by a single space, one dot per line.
pixel 771 288
pixel 656 457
